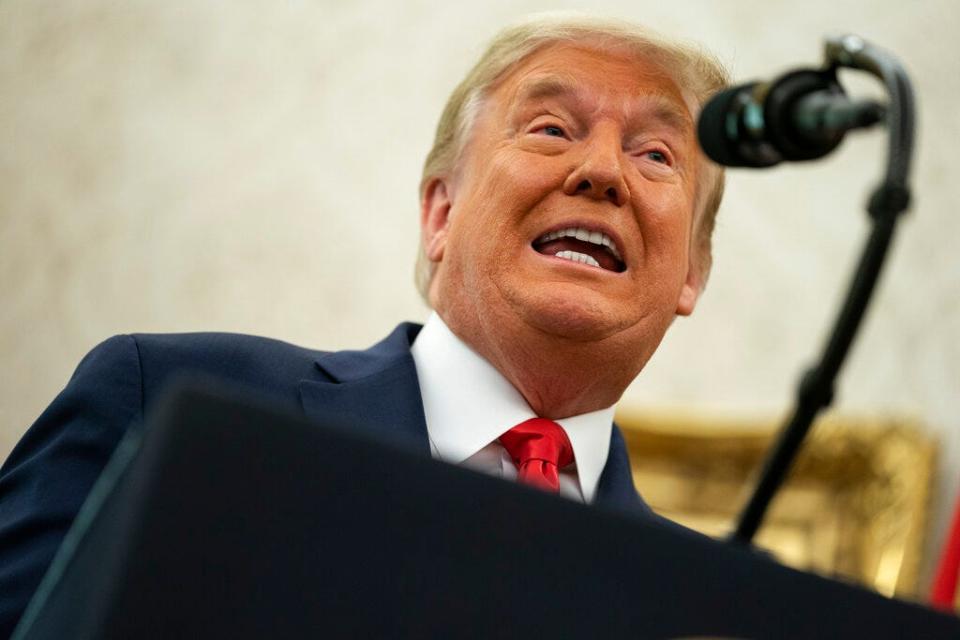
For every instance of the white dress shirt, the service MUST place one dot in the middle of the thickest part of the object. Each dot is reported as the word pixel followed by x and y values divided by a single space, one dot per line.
pixel 468 405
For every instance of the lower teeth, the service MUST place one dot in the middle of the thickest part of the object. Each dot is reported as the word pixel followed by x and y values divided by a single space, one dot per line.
pixel 576 256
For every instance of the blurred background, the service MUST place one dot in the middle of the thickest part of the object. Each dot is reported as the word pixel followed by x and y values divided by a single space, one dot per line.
pixel 253 167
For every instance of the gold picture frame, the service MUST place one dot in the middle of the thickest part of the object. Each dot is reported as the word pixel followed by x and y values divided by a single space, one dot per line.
pixel 855 505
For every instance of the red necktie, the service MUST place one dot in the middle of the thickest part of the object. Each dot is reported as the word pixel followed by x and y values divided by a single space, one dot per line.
pixel 540 448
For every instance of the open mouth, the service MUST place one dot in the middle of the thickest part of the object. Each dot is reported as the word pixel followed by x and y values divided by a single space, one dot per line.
pixel 593 248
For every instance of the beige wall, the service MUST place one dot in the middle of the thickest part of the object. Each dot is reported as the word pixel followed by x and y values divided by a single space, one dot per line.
pixel 252 167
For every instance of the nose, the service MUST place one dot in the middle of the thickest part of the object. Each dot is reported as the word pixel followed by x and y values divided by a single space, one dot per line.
pixel 599 172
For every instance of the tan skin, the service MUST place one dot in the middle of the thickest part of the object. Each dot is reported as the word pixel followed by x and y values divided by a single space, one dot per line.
pixel 571 137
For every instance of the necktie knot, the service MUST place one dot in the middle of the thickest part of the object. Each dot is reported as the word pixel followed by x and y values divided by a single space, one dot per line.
pixel 540 448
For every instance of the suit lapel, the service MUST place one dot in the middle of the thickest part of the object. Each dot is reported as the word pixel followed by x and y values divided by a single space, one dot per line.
pixel 377 392
pixel 616 488
pixel 373 391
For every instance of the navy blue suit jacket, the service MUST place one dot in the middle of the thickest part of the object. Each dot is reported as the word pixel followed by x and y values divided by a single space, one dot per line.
pixel 46 478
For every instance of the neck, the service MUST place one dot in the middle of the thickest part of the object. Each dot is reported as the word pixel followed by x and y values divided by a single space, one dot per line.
pixel 558 377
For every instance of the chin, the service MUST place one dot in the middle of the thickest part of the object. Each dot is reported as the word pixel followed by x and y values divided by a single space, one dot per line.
pixel 571 312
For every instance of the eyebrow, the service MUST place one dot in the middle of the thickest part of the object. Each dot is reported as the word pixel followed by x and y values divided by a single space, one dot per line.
pixel 546 87
pixel 660 106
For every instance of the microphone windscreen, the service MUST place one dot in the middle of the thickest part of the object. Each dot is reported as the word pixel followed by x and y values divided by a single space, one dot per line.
pixel 717 129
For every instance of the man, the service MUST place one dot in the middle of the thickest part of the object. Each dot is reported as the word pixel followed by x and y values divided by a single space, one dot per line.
pixel 566 214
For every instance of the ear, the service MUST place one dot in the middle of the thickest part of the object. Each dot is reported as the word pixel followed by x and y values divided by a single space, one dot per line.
pixel 692 287
pixel 435 208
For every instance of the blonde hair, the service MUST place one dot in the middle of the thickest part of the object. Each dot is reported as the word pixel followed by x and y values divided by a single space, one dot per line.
pixel 691 67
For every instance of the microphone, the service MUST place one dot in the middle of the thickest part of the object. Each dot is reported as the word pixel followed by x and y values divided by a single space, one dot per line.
pixel 802 115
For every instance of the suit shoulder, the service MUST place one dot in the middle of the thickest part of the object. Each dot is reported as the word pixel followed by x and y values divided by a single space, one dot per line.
pixel 269 366
pixel 219 346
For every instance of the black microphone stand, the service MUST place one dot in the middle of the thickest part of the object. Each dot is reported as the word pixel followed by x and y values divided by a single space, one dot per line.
pixel 888 201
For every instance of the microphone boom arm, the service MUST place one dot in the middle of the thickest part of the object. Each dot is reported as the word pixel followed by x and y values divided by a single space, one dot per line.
pixel 888 201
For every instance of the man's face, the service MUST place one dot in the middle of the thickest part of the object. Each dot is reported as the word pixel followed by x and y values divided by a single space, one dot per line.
pixel 571 211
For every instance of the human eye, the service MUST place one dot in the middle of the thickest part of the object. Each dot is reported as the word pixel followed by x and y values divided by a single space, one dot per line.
pixel 658 156
pixel 551 130
pixel 549 133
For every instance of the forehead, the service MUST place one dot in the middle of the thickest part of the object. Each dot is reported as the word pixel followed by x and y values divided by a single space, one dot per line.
pixel 596 78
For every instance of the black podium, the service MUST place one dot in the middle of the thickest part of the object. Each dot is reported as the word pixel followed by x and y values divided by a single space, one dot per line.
pixel 223 519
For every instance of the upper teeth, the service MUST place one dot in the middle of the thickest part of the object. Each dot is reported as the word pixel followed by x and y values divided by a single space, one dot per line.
pixel 593 237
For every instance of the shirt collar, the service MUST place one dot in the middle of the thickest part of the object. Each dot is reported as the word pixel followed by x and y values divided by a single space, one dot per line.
pixel 468 404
